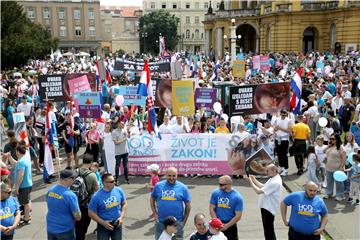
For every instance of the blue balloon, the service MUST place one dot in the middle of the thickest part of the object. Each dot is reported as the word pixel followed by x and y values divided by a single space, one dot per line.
pixel 350 158
pixel 340 176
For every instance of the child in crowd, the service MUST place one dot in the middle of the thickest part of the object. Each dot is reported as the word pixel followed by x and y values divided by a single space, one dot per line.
pixel 215 226
pixel 96 169
pixel 313 166
pixel 354 179
pixel 170 225
pixel 320 154
pixel 154 170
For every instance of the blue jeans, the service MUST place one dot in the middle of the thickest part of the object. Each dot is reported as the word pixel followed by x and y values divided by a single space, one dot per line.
pixel 159 228
pixel 70 235
pixel 104 234
pixel 330 185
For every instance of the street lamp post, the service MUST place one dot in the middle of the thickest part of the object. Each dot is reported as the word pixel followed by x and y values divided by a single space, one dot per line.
pixel 233 39
pixel 144 36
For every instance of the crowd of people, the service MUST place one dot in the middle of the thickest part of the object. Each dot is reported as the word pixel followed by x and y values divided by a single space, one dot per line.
pixel 329 93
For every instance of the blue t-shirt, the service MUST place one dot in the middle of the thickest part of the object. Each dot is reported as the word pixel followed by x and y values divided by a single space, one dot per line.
pixel 226 203
pixel 107 204
pixel 305 212
pixel 355 170
pixel 24 164
pixel 170 199
pixel 104 90
pixel 332 88
pixel 8 208
pixel 61 203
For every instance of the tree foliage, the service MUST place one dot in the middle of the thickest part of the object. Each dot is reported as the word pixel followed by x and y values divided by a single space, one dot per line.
pixel 22 39
pixel 154 24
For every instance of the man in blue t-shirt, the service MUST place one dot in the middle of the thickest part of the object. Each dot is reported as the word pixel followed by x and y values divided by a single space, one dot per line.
pixel 170 198
pixel 9 213
pixel 227 204
pixel 308 216
pixel 107 207
pixel 23 180
pixel 62 205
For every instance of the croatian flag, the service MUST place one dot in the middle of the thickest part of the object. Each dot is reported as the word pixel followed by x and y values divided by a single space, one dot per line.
pixel 215 74
pixel 107 73
pixel 49 141
pixel 145 89
pixel 296 86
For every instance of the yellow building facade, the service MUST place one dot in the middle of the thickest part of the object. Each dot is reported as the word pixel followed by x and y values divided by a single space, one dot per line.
pixel 283 26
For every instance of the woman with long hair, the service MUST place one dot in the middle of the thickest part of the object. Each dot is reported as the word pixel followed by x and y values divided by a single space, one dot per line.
pixel 335 160
pixel 350 147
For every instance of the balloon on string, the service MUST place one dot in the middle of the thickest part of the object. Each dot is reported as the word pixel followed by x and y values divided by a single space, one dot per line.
pixel 350 158
pixel 225 117
pixel 119 100
pixel 44 70
pixel 217 107
pixel 340 176
pixel 327 70
pixel 323 122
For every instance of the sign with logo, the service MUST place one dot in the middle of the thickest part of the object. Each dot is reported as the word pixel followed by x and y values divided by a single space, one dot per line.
pixel 183 97
pixel 205 97
pixel 89 104
pixel 238 69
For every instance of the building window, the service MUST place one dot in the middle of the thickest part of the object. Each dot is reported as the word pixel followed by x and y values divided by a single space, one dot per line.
pixel 48 29
pixel 92 31
pixel 188 5
pixel 152 5
pixel 196 20
pixel 174 5
pixel 31 13
pixel 77 31
pixel 187 34
pixel 163 5
pixel 217 5
pixel 91 14
pixel 197 33
pixel 197 5
pixel 202 35
pixel 206 5
pixel 61 13
pixel 62 31
pixel 46 13
pixel 77 14
pixel 187 20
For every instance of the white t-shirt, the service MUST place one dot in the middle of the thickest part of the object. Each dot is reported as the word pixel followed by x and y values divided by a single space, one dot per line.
pixel 219 236
pixel 176 128
pixel 165 236
pixel 319 151
pixel 270 199
pixel 165 129
pixel 349 148
pixel 327 132
pixel 25 108
pixel 283 123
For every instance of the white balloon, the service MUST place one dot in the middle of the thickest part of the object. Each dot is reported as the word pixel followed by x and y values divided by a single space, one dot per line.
pixel 44 70
pixel 225 117
pixel 217 107
pixel 323 122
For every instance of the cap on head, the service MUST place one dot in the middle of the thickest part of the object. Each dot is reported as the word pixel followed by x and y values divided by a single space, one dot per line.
pixel 153 167
pixel 216 223
pixel 66 174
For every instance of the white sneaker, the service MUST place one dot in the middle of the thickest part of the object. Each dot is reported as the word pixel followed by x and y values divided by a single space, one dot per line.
pixel 186 175
pixel 339 199
pixel 284 173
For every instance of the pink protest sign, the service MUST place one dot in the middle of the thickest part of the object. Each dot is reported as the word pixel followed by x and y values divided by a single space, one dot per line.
pixel 264 63
pixel 80 84
pixel 256 62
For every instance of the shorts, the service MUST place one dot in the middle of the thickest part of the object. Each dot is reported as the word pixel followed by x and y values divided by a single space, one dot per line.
pixel 69 149
pixel 24 195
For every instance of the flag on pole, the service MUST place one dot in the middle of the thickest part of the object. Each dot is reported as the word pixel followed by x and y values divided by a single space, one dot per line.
pixel 107 73
pixel 145 89
pixel 97 74
pixel 296 87
pixel 49 141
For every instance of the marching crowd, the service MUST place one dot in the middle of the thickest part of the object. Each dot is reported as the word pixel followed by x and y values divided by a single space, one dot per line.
pixel 82 194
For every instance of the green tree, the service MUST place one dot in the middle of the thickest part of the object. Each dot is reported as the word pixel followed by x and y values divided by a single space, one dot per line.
pixel 22 39
pixel 154 24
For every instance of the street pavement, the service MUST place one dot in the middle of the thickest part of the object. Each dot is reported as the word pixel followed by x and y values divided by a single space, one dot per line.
pixel 343 217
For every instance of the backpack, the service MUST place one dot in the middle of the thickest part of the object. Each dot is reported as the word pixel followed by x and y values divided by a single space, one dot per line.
pixel 79 188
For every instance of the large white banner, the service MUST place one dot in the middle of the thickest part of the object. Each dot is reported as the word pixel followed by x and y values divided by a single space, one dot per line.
pixel 189 153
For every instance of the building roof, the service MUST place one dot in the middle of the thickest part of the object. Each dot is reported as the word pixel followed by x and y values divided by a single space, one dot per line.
pixel 126 11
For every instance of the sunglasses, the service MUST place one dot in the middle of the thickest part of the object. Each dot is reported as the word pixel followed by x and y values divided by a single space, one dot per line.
pixel 222 184
pixel 8 192
pixel 111 181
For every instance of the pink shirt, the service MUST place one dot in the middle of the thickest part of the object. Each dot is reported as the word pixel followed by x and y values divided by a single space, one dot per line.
pixel 92 136
pixel 154 181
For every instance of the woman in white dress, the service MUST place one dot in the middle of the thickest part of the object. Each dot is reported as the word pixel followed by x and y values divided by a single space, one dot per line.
pixel 108 150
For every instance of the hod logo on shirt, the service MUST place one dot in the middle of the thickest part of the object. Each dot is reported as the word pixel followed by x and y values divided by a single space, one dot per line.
pixel 306 210
pixel 223 203
pixel 54 195
pixel 111 202
pixel 168 195
pixel 5 213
